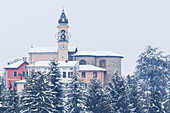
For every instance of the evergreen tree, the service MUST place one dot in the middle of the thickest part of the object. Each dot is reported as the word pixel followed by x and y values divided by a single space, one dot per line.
pixel 28 98
pixel 118 90
pixel 97 101
pixel 34 99
pixel 166 102
pixel 146 101
pixel 152 70
pixel 55 88
pixel 75 101
pixel 12 101
pixel 129 81
pixel 155 102
pixel 135 97
pixel 2 108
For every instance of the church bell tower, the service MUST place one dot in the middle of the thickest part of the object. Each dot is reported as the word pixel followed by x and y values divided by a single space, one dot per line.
pixel 63 37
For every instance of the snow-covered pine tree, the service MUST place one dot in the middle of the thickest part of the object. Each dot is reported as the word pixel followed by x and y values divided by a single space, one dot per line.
pixel 55 87
pixel 129 80
pixel 118 91
pixel 46 97
pixel 12 101
pixel 166 102
pixel 135 96
pixel 155 102
pixel 75 102
pixel 2 108
pixel 28 98
pixel 152 70
pixel 146 101
pixel 34 99
pixel 97 101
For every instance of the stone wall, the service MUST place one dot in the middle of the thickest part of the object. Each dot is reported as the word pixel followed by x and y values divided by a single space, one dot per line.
pixel 89 60
pixel 112 64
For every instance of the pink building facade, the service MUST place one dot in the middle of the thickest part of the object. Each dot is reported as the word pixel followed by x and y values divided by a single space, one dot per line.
pixel 15 72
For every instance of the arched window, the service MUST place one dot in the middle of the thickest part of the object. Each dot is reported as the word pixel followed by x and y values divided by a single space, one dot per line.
pixel 102 63
pixel 82 62
pixel 63 35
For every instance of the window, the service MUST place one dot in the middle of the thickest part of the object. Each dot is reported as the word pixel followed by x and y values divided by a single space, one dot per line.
pixel 25 73
pixel 64 74
pixel 70 74
pixel 82 62
pixel 84 85
pixel 94 74
pixel 15 84
pixel 102 63
pixel 15 73
pixel 63 35
pixel 25 67
pixel 83 74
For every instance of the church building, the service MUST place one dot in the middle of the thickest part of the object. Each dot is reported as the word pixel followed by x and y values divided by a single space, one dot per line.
pixel 90 64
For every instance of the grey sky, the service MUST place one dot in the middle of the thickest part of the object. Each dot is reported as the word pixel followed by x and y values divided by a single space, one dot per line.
pixel 122 26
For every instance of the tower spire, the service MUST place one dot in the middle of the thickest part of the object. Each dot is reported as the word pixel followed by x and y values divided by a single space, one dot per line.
pixel 63 37
pixel 63 19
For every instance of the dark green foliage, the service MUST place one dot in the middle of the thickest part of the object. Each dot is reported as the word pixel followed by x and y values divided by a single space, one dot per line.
pixel 152 70
pixel 97 101
pixel 129 81
pixel 34 97
pixel 75 94
pixel 55 87
pixel 166 101
pixel 2 107
pixel 146 101
pixel 118 90
pixel 155 102
pixel 135 96
pixel 12 101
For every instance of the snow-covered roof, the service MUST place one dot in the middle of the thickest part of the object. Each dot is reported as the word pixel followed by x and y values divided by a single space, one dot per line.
pixel 21 81
pixel 43 50
pixel 68 64
pixel 15 65
pixel 97 53
pixel 49 49
pixel 90 68
pixel 45 64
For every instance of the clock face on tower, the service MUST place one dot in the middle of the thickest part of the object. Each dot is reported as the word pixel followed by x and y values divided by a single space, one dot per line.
pixel 63 47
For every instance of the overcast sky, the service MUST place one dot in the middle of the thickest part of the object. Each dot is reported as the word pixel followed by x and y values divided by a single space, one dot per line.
pixel 122 26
